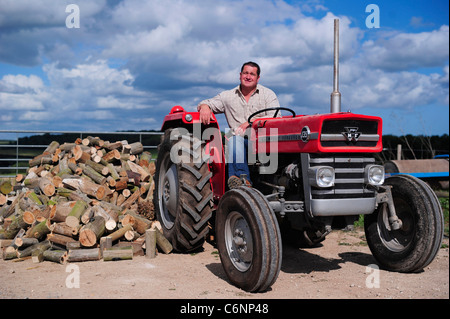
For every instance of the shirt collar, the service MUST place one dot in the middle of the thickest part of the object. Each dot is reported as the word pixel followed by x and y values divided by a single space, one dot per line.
pixel 238 89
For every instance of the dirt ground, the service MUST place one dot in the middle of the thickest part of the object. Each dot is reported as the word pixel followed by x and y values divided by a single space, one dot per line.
pixel 339 269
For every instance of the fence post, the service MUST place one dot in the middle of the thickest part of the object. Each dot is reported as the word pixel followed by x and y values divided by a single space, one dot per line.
pixel 399 152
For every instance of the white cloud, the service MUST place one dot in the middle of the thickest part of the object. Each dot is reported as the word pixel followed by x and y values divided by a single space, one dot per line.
pixel 131 61
pixel 20 92
pixel 404 51
pixel 20 83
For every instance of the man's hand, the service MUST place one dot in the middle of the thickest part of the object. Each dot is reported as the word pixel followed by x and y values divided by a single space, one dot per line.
pixel 241 129
pixel 205 114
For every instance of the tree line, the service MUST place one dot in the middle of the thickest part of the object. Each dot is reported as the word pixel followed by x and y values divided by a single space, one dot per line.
pixel 413 146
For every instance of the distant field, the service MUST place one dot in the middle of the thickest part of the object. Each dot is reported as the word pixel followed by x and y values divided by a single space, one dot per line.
pixel 11 153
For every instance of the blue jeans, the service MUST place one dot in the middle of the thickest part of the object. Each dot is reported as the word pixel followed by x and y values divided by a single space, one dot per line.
pixel 237 157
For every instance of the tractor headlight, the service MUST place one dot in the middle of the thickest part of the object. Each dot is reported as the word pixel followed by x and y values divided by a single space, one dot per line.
pixel 374 174
pixel 321 176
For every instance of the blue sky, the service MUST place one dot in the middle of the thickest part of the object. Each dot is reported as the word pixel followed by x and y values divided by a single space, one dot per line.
pixel 130 61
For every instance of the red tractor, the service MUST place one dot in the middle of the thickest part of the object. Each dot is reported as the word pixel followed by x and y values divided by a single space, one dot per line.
pixel 309 172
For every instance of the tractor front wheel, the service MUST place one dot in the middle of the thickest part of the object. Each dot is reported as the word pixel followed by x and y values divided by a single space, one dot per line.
pixel 416 243
pixel 248 239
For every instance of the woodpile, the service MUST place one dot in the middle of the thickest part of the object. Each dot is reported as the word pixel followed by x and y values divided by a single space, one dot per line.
pixel 80 201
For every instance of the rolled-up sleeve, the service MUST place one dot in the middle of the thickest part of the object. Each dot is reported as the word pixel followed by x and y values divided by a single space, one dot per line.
pixel 216 104
pixel 237 109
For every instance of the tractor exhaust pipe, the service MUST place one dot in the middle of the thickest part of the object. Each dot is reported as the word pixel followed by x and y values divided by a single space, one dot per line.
pixel 336 95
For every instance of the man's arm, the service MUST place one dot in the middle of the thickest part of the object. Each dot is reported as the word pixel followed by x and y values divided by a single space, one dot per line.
pixel 205 113
pixel 210 106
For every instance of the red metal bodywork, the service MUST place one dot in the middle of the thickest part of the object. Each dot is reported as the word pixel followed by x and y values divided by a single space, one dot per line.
pixel 286 126
pixel 178 117
pixel 290 126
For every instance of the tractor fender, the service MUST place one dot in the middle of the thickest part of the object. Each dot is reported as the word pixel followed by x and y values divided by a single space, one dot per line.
pixel 211 135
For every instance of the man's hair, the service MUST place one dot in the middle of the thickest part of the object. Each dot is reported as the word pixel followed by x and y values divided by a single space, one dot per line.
pixel 254 65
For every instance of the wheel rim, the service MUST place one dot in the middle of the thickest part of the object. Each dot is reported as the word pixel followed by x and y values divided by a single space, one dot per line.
pixel 239 241
pixel 167 194
pixel 397 240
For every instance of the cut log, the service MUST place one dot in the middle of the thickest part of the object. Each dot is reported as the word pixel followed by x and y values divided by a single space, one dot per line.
pixel 133 177
pixel 139 223
pixel 137 247
pixel 93 141
pixel 163 243
pixel 112 146
pixel 99 168
pixel 20 177
pixel 37 255
pixel 61 229
pixel 6 187
pixel 6 242
pixel 39 230
pixel 94 175
pixel 136 148
pixel 118 253
pixel 57 256
pixel 60 239
pixel 67 147
pixel 105 242
pixel 62 211
pixel 26 242
pixel 87 215
pixel 121 183
pixel 113 171
pixel 131 200
pixel 75 168
pixel 40 160
pixel 131 235
pixel 144 159
pixel 91 232
pixel 51 148
pixel 120 232
pixel 73 219
pixel 9 253
pixel 46 186
pixel 3 199
pixel 144 174
pixel 85 186
pixel 16 224
pixel 150 243
pixel 78 255
pixel 73 245
pixel 80 155
pixel 57 180
pixel 43 245
pixel 110 225
pixel 111 156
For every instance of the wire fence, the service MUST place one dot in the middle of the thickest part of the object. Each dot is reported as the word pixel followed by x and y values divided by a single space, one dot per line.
pixel 18 147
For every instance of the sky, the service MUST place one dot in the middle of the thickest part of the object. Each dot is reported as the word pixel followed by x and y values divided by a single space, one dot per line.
pixel 109 65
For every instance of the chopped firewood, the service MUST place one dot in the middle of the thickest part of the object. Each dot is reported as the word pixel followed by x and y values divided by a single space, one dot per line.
pixel 77 197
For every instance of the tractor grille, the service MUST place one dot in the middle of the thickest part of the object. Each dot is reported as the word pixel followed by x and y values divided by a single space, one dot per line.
pixel 349 176
pixel 347 133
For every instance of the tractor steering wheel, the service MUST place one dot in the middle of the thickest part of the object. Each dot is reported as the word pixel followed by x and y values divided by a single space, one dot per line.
pixel 270 109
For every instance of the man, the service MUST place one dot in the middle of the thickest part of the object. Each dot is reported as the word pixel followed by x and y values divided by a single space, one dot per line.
pixel 238 104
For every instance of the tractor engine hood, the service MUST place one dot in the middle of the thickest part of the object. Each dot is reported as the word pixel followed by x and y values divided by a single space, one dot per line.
pixel 322 133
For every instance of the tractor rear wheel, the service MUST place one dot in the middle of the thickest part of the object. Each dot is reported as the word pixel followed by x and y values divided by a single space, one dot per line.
pixel 416 243
pixel 183 193
pixel 248 239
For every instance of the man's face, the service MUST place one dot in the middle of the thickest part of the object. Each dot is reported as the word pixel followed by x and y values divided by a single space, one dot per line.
pixel 249 77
